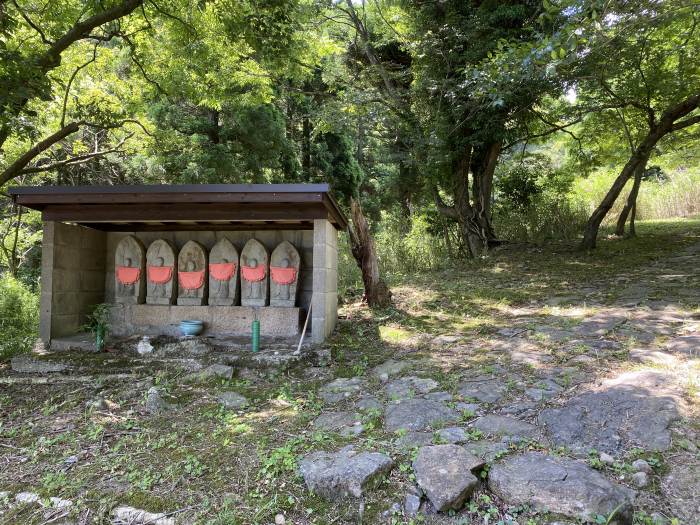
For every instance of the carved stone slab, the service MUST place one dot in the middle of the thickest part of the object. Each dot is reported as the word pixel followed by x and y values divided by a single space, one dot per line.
pixel 223 274
pixel 254 274
pixel 161 273
pixel 130 271
pixel 192 280
pixel 284 275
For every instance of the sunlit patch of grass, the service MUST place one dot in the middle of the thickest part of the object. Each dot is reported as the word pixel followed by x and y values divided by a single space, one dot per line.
pixel 394 334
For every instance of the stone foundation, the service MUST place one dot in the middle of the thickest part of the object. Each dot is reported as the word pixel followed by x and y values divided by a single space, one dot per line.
pixel 148 319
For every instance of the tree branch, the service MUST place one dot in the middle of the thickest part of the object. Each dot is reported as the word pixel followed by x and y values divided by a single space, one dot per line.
pixel 52 56
pixel 444 209
pixel 70 81
pixel 15 169
pixel 80 159
pixel 686 123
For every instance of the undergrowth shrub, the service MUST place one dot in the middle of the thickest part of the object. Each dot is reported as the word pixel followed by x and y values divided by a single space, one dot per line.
pixel 676 194
pixel 545 217
pixel 19 316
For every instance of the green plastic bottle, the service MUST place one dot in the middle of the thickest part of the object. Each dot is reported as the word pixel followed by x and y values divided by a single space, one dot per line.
pixel 256 335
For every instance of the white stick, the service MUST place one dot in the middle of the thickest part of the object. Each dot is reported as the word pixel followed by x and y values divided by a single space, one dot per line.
pixel 303 332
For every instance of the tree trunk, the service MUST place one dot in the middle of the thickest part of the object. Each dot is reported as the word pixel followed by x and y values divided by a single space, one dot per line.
pixel 306 148
pixel 483 168
pixel 668 123
pixel 640 156
pixel 214 128
pixel 631 202
pixel 473 212
pixel 377 293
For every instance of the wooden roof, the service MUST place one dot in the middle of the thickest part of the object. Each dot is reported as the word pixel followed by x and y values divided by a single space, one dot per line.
pixel 184 207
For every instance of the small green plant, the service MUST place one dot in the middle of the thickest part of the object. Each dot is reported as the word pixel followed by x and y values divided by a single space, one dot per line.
pixel 281 460
pixel 98 324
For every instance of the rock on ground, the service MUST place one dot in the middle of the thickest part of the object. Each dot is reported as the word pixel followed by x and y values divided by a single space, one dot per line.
pixel 543 390
pixel 129 515
pixel 417 414
pixel 636 407
pixel 212 372
pixel 390 368
pixel 486 450
pixel 155 403
pixel 28 365
pixel 347 472
pixel 686 344
pixel 414 439
pixel 341 388
pixel 344 423
pixel 232 400
pixel 453 435
pixel 408 386
pixel 561 486
pixel 496 425
pixel 444 473
pixel 681 488
pixel 483 390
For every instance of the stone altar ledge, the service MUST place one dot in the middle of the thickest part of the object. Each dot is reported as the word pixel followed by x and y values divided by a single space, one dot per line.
pixel 149 319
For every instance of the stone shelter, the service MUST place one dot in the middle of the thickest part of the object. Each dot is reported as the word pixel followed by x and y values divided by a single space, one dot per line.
pixel 224 254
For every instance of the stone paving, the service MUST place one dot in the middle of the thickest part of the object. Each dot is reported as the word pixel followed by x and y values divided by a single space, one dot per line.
pixel 578 414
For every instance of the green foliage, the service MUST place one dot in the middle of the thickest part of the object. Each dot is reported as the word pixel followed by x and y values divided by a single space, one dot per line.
pixel 19 316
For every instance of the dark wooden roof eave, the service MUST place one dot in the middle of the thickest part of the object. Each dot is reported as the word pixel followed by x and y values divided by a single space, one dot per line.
pixel 89 205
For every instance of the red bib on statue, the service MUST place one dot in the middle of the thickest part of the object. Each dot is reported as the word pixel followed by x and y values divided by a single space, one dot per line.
pixel 191 280
pixel 251 274
pixel 283 275
pixel 127 275
pixel 222 271
pixel 160 274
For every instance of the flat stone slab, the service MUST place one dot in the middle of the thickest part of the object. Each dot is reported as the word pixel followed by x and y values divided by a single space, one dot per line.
pixel 390 368
pixel 232 400
pixel 414 439
pixel 444 397
pixel 486 450
pixel 496 425
pixel 452 435
pixel 561 486
pixel 335 475
pixel 368 402
pixel 543 390
pixel 25 364
pixel 409 386
pixel 444 473
pixel 600 324
pixel 681 487
pixel 484 390
pixel 344 423
pixel 124 515
pixel 215 371
pixel 685 344
pixel 634 409
pixel 341 388
pixel 417 414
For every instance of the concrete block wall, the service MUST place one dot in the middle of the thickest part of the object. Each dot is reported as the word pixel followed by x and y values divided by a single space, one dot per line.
pixel 324 313
pixel 303 241
pixel 72 277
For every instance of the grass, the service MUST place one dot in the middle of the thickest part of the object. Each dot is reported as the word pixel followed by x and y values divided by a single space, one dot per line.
pixel 217 466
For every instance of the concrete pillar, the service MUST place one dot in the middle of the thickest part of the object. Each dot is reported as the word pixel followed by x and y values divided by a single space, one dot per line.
pixel 324 312
pixel 72 277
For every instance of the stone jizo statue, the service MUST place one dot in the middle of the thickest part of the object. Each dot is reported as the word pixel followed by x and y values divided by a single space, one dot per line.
pixel 223 274
pixel 129 271
pixel 254 274
pixel 284 275
pixel 162 285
